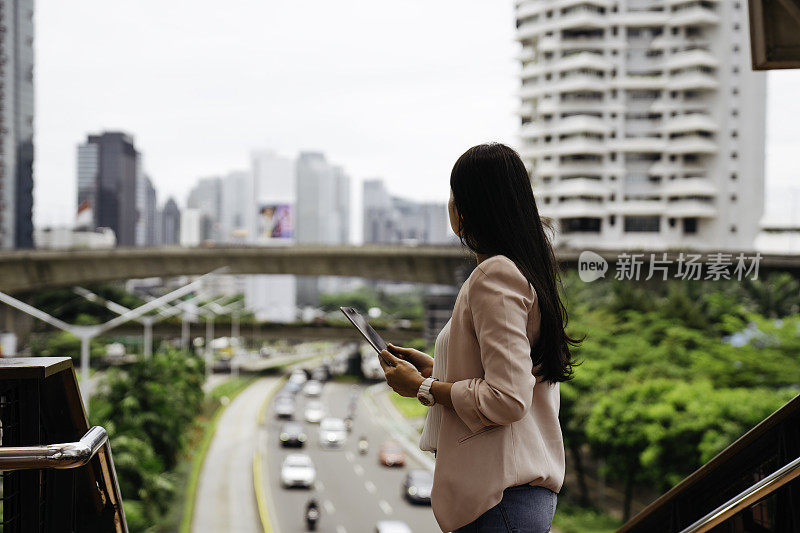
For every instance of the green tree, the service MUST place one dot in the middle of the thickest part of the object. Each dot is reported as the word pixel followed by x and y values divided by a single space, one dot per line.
pixel 148 409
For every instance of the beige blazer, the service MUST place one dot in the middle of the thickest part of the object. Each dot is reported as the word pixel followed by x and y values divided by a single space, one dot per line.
pixel 504 429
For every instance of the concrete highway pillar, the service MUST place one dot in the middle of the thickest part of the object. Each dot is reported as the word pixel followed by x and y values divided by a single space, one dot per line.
pixel 148 338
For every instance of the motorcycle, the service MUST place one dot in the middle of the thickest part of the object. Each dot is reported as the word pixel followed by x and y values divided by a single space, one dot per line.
pixel 312 515
pixel 363 446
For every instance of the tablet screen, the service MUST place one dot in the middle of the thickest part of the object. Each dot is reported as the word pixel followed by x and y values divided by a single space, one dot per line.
pixel 365 329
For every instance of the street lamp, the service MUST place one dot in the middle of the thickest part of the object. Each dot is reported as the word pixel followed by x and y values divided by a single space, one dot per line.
pixel 147 320
pixel 207 312
pixel 87 333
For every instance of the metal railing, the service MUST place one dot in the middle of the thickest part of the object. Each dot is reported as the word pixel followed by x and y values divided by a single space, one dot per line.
pixel 748 497
pixel 59 456
pixel 752 485
pixel 67 486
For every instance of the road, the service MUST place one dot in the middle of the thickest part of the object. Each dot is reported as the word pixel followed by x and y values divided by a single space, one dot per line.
pixel 225 496
pixel 355 491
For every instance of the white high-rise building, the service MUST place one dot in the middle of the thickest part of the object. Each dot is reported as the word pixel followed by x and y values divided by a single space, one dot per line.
pixel 270 222
pixel 323 217
pixel 642 122
pixel 235 206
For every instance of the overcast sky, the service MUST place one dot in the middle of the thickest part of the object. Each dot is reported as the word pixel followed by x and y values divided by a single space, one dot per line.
pixel 386 89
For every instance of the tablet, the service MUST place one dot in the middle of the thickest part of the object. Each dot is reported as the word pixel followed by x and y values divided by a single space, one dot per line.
pixel 363 327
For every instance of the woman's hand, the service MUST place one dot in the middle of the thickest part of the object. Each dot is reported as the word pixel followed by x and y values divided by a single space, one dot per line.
pixel 403 378
pixel 421 361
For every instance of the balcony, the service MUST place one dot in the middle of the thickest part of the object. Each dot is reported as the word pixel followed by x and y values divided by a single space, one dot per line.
pixel 693 81
pixel 581 124
pixel 530 30
pixel 578 207
pixel 640 81
pixel 694 16
pixel 691 208
pixel 548 44
pixel 582 60
pixel 585 187
pixel 639 207
pixel 531 9
pixel 689 187
pixel 691 122
pixel 579 83
pixel 634 19
pixel 639 144
pixel 582 17
pixel 692 144
pixel 576 146
pixel 691 58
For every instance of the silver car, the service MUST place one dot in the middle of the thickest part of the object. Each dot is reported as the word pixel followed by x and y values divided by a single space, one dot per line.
pixel 312 388
pixel 332 433
pixel 314 412
pixel 392 526
pixel 297 470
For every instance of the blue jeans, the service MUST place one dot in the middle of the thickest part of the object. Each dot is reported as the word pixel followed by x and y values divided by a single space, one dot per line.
pixel 523 509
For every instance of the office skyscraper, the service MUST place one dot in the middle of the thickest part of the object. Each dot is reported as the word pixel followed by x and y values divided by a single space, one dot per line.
pixel 323 216
pixel 108 178
pixel 235 204
pixel 16 124
pixel 390 219
pixel 323 201
pixel 146 208
pixel 642 122
pixel 206 198
pixel 270 222
pixel 170 223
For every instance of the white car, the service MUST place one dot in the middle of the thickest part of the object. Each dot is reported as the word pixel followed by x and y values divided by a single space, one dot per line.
pixel 332 433
pixel 314 412
pixel 312 388
pixel 298 376
pixel 392 526
pixel 297 470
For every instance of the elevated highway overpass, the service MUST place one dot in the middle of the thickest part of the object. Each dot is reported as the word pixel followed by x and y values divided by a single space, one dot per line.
pixel 24 271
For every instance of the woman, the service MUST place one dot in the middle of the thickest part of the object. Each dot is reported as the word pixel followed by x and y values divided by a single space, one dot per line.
pixel 494 384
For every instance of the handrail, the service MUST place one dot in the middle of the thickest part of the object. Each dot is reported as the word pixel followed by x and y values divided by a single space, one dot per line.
pixel 747 497
pixel 58 456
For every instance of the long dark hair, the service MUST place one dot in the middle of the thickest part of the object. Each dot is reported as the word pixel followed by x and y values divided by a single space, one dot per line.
pixel 497 215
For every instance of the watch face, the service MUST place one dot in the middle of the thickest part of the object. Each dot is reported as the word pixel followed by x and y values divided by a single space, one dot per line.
pixel 423 400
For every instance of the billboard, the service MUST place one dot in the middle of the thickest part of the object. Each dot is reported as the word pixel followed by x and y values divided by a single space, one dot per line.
pixel 275 221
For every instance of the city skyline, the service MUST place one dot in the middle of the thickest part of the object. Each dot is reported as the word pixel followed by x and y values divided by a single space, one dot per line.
pixel 372 99
pixel 495 70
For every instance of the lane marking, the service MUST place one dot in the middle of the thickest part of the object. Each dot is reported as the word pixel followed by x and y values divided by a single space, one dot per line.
pixel 385 507
pixel 264 500
pixel 350 456
pixel 340 529
pixel 329 506
pixel 370 486
pixel 359 469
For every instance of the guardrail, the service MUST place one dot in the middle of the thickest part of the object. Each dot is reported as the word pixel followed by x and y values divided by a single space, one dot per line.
pixel 752 485
pixel 60 456
pixel 751 495
pixel 46 487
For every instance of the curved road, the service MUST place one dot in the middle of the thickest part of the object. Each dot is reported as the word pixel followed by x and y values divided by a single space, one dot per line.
pixel 225 496
pixel 354 490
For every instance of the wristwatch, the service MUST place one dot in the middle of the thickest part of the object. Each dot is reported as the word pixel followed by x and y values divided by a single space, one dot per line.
pixel 424 393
